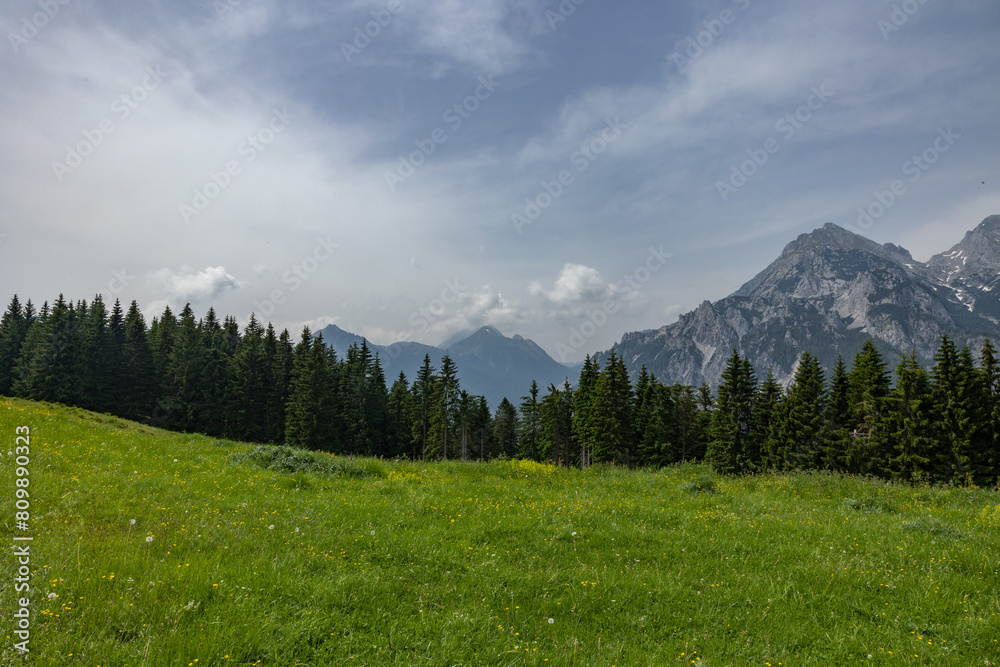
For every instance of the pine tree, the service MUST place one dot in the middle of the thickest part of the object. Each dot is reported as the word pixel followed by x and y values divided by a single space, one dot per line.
pixel 250 387
pixel 868 448
pixel 423 403
pixel 531 424
pixel 802 431
pixel 909 427
pixel 769 413
pixel 556 425
pixel 731 448
pixel 583 401
pixel 953 415
pixel 184 375
pixel 50 366
pixel 655 412
pixel 482 425
pixel 611 414
pixel 220 343
pixel 14 326
pixel 115 375
pixel 838 418
pixel 687 419
pixel 989 373
pixel 140 385
pixel 446 391
pixel 279 353
pixel 399 425
pixel 506 428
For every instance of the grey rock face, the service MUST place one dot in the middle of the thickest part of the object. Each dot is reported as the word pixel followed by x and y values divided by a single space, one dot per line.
pixel 827 293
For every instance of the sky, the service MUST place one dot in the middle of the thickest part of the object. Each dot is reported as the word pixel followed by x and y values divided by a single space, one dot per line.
pixel 566 170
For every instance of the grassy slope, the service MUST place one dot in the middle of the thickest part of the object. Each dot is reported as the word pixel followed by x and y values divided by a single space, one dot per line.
pixel 451 563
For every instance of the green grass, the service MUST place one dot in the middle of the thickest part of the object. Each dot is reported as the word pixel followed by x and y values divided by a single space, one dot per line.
pixel 274 557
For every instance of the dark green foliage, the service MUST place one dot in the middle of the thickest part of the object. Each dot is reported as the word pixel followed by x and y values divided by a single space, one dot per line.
pixel 801 432
pixel 531 424
pixel 733 447
pixel 556 425
pixel 867 450
pixel 910 430
pixel 206 376
pixel 293 459
pixel 505 429
pixel 611 415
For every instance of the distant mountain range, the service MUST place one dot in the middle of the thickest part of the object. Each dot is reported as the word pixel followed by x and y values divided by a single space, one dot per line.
pixel 827 293
pixel 489 363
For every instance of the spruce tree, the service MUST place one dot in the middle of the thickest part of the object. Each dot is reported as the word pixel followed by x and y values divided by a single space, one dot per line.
pixel 838 418
pixel 399 425
pixel 505 429
pixel 140 385
pixel 868 450
pixel 14 326
pixel 731 448
pixel 531 424
pixel 423 403
pixel 910 430
pixel 442 416
pixel 611 415
pixel 556 417
pixel 989 372
pixel 583 400
pixel 953 415
pixel 280 353
pixel 802 432
pixel 250 387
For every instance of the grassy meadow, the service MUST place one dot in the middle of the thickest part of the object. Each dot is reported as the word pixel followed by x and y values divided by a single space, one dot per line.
pixel 158 548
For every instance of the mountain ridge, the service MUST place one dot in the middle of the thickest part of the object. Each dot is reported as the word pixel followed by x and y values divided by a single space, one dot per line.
pixel 827 292
pixel 488 362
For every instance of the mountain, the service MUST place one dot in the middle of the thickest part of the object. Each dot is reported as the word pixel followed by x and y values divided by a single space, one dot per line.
pixel 827 293
pixel 489 363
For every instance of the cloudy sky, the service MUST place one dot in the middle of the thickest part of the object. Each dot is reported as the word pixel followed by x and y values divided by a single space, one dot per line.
pixel 408 169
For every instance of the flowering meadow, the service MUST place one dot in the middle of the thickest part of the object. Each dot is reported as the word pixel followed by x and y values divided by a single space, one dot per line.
pixel 158 548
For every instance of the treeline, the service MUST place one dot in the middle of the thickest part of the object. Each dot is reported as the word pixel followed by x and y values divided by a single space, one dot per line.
pixel 205 375
pixel 941 425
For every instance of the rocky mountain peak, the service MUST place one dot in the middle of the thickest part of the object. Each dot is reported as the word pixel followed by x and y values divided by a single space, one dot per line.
pixel 829 292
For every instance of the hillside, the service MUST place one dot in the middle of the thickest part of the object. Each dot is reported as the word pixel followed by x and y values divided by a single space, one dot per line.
pixel 827 293
pixel 159 548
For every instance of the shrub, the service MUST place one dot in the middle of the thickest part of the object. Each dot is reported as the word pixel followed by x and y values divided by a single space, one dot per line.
pixel 294 460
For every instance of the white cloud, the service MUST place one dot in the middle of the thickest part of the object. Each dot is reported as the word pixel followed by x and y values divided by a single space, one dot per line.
pixel 576 285
pixel 189 287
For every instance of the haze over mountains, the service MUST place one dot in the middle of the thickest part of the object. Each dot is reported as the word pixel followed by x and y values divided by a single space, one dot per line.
pixel 489 363
pixel 827 293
